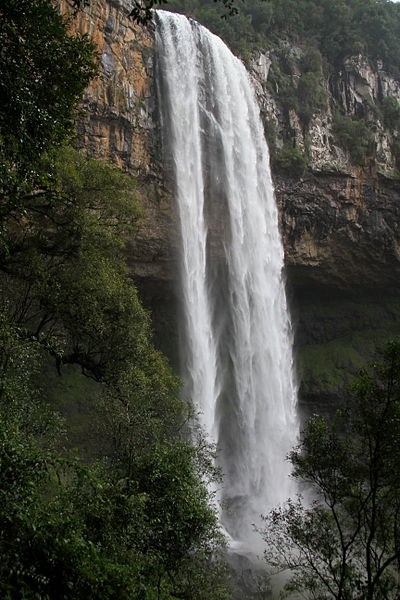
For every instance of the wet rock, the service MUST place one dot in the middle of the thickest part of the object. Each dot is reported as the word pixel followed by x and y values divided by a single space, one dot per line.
pixel 340 224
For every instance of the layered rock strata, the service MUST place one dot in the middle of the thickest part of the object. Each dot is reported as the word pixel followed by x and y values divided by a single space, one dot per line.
pixel 340 224
pixel 117 122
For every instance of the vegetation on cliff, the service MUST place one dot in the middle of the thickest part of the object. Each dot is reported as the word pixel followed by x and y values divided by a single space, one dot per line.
pixel 134 519
pixel 309 42
pixel 337 28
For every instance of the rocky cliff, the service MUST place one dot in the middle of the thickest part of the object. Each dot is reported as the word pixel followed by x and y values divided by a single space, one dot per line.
pixel 358 90
pixel 340 222
pixel 341 235
pixel 118 124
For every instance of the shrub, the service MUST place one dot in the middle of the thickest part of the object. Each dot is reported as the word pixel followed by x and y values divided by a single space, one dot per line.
pixel 391 112
pixel 292 161
pixel 354 136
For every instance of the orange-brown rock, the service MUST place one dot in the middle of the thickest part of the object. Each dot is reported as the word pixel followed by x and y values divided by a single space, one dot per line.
pixel 340 225
pixel 117 123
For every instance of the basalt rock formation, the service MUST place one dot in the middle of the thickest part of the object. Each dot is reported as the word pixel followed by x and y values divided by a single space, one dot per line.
pixel 340 223
pixel 341 237
pixel 118 124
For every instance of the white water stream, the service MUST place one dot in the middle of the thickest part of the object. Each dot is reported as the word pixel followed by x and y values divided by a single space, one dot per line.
pixel 237 345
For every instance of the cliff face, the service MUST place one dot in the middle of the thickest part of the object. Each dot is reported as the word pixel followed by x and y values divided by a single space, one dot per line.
pixel 340 223
pixel 341 236
pixel 341 232
pixel 357 91
pixel 115 124
pixel 118 122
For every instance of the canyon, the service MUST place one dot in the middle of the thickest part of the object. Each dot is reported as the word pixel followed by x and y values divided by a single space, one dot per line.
pixel 339 222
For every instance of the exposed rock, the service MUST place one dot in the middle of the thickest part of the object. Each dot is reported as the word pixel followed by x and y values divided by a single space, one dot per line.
pixel 340 224
pixel 362 81
pixel 355 91
pixel 118 124
pixel 260 64
pixel 341 232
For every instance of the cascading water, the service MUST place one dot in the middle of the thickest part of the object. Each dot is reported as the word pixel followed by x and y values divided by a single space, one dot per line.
pixel 237 349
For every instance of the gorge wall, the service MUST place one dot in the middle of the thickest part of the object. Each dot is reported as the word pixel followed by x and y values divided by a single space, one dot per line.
pixel 340 223
pixel 339 220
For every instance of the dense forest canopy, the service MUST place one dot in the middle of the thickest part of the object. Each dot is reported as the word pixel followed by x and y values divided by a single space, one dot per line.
pixel 338 28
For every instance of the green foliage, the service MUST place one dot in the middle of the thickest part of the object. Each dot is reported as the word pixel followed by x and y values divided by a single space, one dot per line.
pixel 345 543
pixel 291 161
pixel 66 262
pixel 354 136
pixel 140 522
pixel 44 71
pixel 311 61
pixel 59 522
pixel 177 504
pixel 336 28
pixel 311 95
pixel 391 112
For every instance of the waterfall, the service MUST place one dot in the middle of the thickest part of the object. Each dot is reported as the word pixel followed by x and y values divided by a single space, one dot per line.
pixel 236 346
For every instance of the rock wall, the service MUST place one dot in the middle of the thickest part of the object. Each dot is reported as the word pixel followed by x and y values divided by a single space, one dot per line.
pixel 340 223
pixel 355 90
pixel 117 123
pixel 341 232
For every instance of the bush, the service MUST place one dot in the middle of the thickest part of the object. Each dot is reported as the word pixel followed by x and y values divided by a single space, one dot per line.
pixel 354 136
pixel 311 95
pixel 291 161
pixel 391 112
pixel 311 61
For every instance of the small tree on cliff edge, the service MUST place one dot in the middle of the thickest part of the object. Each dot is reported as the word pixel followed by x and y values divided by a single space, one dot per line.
pixel 346 543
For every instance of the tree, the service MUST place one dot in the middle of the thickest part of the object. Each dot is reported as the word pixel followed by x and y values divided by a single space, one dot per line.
pixel 290 160
pixel 345 542
pixel 136 524
pixel 355 137
pixel 142 11
pixel 44 71
pixel 391 112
